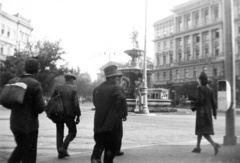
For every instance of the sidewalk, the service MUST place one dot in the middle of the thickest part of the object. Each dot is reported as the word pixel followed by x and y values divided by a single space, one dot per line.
pixel 161 154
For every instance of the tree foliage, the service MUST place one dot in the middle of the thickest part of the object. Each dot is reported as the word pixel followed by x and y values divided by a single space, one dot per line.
pixel 48 54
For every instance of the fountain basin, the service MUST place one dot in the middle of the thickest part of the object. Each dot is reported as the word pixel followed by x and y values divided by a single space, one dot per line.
pixel 154 105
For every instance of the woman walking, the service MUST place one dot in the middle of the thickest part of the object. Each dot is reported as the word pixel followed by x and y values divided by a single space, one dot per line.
pixel 205 107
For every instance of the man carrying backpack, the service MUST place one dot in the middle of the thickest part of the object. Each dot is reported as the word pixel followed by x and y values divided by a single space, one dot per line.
pixel 24 118
pixel 71 114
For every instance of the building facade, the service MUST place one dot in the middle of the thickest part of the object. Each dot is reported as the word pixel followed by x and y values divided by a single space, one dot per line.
pixel 191 41
pixel 15 31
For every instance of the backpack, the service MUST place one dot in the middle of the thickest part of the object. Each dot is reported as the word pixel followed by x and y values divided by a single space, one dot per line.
pixel 54 108
pixel 13 94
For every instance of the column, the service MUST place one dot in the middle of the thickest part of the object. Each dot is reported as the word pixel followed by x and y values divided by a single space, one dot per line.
pixel 182 47
pixel 191 47
pixel 221 41
pixel 210 44
pixel 174 51
pixel 200 45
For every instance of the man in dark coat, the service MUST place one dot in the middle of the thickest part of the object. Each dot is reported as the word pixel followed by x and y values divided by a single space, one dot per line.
pixel 24 119
pixel 108 99
pixel 71 114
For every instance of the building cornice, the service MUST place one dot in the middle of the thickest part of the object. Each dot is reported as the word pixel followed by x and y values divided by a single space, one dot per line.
pixel 190 63
pixel 17 19
pixel 175 34
pixel 192 5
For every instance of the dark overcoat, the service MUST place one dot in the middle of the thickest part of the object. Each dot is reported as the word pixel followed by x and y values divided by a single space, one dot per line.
pixel 206 107
pixel 24 118
pixel 69 97
pixel 108 100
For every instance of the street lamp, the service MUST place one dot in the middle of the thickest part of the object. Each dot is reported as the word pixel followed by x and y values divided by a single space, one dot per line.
pixel 229 50
pixel 109 54
pixel 145 89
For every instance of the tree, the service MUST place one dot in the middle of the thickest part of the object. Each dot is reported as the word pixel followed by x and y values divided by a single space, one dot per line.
pixel 48 54
pixel 83 83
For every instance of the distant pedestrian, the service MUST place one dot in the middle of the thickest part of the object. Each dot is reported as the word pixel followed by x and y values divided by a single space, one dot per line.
pixel 122 117
pixel 24 119
pixel 205 107
pixel 71 115
pixel 108 99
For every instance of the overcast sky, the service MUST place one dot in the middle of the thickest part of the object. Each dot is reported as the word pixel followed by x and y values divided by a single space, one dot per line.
pixel 88 28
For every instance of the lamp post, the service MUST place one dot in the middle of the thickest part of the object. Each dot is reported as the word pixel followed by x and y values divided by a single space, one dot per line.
pixel 229 51
pixel 109 54
pixel 145 89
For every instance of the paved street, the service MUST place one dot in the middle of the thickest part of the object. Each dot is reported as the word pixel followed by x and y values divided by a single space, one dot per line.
pixel 166 129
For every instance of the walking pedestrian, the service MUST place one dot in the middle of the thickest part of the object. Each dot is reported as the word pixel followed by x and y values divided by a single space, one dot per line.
pixel 205 107
pixel 71 116
pixel 24 119
pixel 108 99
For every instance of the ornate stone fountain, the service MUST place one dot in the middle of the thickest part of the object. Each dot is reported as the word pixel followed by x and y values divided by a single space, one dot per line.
pixel 132 80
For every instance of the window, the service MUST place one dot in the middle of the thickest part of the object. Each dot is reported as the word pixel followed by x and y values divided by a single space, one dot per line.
pixel 171 44
pixel 188 55
pixel 205 15
pixel 187 40
pixel 171 58
pixel 179 23
pixel 185 73
pixel 194 72
pixel 205 69
pixel 206 50
pixel 205 36
pixel 164 60
pixel 158 46
pixel 171 26
pixel 8 33
pixel 187 21
pixel 179 56
pixel 158 75
pixel 216 51
pixel 179 42
pixel 157 60
pixel 3 28
pixel 196 38
pixel 165 44
pixel 164 75
pixel 215 12
pixel 216 34
pixel 214 72
pixel 196 18
pixel 1 51
pixel 197 53
pixel 177 74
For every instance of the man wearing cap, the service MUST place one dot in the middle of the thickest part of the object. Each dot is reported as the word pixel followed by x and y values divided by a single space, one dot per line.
pixel 71 115
pixel 108 99
pixel 24 119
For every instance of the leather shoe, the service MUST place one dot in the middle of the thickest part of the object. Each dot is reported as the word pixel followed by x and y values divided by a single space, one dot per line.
pixel 120 153
pixel 196 150
pixel 216 148
pixel 62 153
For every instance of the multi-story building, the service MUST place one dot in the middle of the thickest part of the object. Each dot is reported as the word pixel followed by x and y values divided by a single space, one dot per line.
pixel 15 31
pixel 190 41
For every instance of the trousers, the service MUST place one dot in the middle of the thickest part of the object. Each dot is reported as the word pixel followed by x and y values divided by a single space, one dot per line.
pixel 26 149
pixel 107 142
pixel 72 132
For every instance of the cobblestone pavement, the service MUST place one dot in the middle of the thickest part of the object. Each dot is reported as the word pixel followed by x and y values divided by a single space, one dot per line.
pixel 174 128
